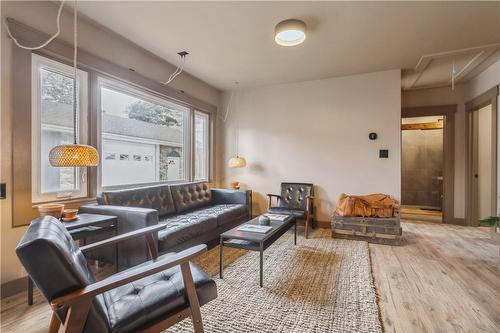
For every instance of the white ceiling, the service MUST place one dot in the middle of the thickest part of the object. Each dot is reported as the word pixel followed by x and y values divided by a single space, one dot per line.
pixel 233 41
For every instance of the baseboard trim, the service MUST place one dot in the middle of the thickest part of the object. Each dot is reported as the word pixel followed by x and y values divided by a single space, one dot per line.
pixel 323 224
pixel 459 221
pixel 14 287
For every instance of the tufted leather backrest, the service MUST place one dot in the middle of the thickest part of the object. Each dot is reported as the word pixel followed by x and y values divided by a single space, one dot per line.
pixel 294 195
pixel 156 197
pixel 57 266
pixel 191 195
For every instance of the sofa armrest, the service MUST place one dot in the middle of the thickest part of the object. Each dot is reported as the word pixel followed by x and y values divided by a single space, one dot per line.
pixel 227 196
pixel 130 219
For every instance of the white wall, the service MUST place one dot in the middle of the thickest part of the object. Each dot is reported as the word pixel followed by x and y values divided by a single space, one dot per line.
pixel 317 131
pixel 98 41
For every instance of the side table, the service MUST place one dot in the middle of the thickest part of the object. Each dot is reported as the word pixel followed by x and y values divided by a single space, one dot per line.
pixel 86 225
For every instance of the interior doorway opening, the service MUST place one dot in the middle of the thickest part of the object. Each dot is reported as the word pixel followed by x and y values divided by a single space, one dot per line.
pixel 422 168
pixel 481 187
pixel 482 205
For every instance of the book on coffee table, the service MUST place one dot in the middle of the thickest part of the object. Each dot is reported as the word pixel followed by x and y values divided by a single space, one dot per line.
pixel 277 217
pixel 255 228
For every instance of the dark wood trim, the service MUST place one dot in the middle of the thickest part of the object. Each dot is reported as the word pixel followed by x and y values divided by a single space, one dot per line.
pixel 324 224
pixel 460 221
pixel 64 52
pixel 13 287
pixel 488 97
pixel 424 111
pixel 482 100
pixel 448 111
pixel 22 208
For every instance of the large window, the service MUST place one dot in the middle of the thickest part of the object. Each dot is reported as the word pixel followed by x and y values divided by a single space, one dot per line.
pixel 142 137
pixel 52 125
pixel 201 146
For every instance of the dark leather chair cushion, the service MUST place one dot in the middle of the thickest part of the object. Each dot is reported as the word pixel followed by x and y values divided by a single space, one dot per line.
pixel 154 297
pixel 191 196
pixel 155 197
pixel 183 227
pixel 58 267
pixel 294 195
pixel 280 210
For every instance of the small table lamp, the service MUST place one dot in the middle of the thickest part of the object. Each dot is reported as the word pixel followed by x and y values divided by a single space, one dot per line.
pixel 236 162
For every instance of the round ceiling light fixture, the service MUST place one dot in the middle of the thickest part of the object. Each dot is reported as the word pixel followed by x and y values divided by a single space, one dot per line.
pixel 290 32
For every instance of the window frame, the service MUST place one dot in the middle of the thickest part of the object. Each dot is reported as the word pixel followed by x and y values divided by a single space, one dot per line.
pixel 154 97
pixel 39 62
pixel 208 145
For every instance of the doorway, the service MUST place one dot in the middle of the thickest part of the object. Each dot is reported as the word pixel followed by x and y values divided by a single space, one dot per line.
pixel 422 162
pixel 481 173
pixel 428 163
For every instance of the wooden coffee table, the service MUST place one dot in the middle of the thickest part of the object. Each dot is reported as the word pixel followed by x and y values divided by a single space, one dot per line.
pixel 254 241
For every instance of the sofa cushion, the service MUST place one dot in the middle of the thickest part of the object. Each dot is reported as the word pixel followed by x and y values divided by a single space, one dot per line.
pixel 184 227
pixel 225 213
pixel 154 297
pixel 155 197
pixel 191 196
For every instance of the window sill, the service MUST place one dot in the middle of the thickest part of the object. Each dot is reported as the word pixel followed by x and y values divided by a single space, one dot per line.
pixel 67 201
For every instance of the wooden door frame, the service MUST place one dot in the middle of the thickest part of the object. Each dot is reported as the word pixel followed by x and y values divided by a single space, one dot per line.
pixel 489 97
pixel 448 111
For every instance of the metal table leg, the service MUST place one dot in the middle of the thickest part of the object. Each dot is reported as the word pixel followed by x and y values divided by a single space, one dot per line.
pixel 30 291
pixel 221 259
pixel 261 265
pixel 295 233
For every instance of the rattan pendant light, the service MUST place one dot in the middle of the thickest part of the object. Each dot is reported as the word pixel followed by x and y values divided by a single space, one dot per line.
pixel 74 155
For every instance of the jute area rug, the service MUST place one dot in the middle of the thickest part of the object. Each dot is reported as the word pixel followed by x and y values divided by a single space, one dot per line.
pixel 319 285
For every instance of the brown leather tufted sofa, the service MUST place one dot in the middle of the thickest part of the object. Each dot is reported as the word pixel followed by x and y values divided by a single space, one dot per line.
pixel 193 214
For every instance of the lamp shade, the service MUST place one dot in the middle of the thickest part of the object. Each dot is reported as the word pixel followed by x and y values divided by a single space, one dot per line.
pixel 237 162
pixel 73 155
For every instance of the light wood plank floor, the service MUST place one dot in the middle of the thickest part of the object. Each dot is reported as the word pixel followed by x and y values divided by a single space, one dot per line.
pixel 444 279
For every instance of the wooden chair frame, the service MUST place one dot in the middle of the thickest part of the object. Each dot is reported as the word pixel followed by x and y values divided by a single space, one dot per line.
pixel 79 302
pixel 308 212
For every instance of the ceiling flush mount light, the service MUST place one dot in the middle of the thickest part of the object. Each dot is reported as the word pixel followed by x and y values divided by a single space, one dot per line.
pixel 290 32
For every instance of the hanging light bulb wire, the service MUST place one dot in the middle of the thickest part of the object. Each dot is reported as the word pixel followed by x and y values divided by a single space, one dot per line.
pixel 75 77
pixel 178 70
pixel 58 24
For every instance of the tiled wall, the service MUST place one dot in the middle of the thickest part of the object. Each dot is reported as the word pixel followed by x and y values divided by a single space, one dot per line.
pixel 421 167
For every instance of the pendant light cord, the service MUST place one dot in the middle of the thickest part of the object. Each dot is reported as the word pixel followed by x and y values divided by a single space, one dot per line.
pixel 178 70
pixel 58 24
pixel 75 77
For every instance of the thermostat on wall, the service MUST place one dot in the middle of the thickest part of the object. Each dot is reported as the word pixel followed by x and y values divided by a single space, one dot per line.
pixel 383 153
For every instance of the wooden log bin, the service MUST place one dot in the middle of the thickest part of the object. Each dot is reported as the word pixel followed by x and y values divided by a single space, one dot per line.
pixel 371 229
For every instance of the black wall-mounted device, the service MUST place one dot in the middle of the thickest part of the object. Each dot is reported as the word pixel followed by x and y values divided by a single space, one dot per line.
pixel 3 191
pixel 383 153
pixel 372 136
